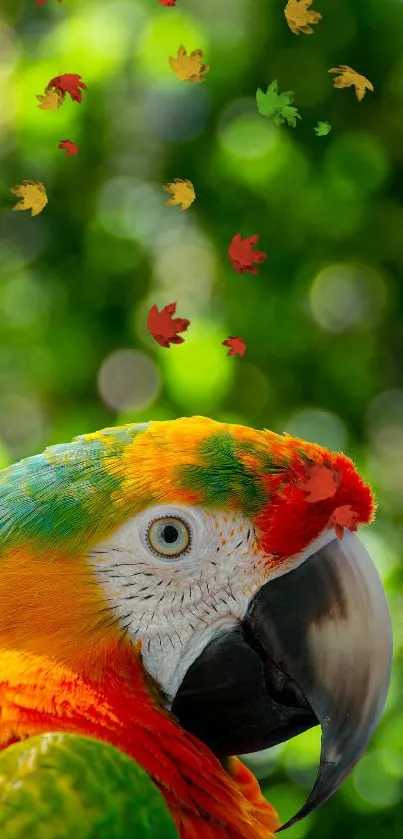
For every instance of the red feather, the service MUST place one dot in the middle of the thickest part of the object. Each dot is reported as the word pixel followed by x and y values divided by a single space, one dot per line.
pixel 124 709
pixel 292 519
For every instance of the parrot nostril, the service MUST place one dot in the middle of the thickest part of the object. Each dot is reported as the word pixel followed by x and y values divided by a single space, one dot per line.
pixel 282 688
pixel 279 685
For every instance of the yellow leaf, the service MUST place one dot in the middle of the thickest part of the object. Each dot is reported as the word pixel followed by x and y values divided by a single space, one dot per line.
pixel 299 17
pixel 349 77
pixel 189 68
pixel 51 100
pixel 33 196
pixel 182 193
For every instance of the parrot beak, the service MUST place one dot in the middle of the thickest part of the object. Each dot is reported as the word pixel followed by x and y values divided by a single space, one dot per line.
pixel 315 647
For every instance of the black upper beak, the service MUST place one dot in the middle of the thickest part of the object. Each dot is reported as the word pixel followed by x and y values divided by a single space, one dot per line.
pixel 315 647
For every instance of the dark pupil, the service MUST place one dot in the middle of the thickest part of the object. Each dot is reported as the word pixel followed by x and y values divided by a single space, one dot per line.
pixel 170 533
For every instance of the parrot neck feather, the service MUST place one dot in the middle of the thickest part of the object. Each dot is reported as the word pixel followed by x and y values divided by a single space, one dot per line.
pixel 39 695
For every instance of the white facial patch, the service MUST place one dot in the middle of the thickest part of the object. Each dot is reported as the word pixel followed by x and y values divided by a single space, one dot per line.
pixel 175 576
pixel 177 604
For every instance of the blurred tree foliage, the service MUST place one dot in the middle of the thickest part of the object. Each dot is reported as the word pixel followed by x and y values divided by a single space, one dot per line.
pixel 322 320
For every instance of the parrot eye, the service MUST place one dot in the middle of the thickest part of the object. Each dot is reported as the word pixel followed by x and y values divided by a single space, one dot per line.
pixel 169 536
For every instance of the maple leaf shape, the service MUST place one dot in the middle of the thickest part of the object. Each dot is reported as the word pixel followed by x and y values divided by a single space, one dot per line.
pixel 164 328
pixel 70 83
pixel 69 147
pixel 189 68
pixel 322 482
pixel 236 345
pixel 277 106
pixel 33 196
pixel 167 2
pixel 299 17
pixel 349 77
pixel 343 517
pixel 322 128
pixel 51 99
pixel 243 256
pixel 183 193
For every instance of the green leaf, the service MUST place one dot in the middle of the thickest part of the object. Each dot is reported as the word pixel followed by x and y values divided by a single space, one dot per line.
pixel 277 106
pixel 322 128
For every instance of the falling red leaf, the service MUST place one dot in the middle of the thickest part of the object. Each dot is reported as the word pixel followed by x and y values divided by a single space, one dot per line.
pixel 321 482
pixel 343 517
pixel 167 2
pixel 164 328
pixel 243 256
pixel 237 345
pixel 69 83
pixel 42 2
pixel 69 147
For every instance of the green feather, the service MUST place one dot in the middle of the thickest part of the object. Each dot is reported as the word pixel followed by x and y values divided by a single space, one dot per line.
pixel 65 786
pixel 222 475
pixel 58 498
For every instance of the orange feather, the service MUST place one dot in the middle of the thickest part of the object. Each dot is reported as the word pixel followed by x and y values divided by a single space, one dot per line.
pixel 38 695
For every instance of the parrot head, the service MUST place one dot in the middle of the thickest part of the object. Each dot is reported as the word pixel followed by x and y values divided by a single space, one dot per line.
pixel 230 555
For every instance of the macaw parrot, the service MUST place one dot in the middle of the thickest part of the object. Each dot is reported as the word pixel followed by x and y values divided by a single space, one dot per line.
pixel 174 594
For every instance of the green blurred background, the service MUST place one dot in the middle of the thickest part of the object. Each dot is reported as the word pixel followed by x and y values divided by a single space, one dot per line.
pixel 323 319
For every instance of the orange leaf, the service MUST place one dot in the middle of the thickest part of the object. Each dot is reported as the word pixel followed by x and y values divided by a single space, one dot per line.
pixel 51 100
pixel 321 482
pixel 32 195
pixel 243 256
pixel 71 83
pixel 237 345
pixel 69 147
pixel 343 517
pixel 164 328
pixel 189 68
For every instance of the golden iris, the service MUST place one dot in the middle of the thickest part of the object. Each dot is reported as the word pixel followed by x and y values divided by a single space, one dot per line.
pixel 169 536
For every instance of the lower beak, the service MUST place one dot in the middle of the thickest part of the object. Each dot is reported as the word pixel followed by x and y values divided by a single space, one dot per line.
pixel 315 647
